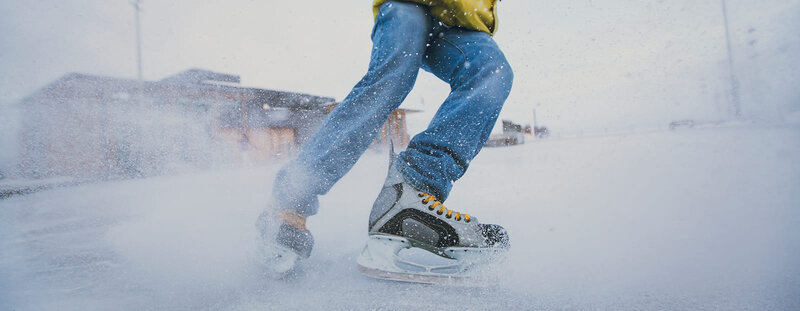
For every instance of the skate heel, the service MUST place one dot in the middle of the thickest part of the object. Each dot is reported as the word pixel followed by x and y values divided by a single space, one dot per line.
pixel 380 252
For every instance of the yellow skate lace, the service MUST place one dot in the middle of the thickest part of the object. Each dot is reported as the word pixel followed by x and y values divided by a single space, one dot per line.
pixel 292 218
pixel 442 209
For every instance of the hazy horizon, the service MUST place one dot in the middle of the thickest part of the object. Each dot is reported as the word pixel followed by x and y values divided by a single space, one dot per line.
pixel 584 66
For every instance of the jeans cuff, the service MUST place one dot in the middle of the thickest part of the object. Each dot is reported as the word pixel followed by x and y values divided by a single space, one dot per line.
pixel 289 192
pixel 418 181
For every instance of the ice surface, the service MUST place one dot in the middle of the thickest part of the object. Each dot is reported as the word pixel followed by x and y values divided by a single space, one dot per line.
pixel 701 219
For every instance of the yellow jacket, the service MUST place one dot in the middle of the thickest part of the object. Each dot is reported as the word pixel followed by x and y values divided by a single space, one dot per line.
pixel 477 15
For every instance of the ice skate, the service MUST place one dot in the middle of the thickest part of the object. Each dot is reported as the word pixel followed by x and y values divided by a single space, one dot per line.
pixel 283 240
pixel 414 238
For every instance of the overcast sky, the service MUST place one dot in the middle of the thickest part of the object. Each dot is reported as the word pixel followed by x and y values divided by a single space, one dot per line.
pixel 586 66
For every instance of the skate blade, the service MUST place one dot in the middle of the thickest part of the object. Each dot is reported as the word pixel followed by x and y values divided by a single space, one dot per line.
pixel 419 278
pixel 380 259
pixel 280 263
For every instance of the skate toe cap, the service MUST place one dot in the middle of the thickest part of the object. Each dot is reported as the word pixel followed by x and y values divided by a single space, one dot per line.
pixel 299 241
pixel 495 235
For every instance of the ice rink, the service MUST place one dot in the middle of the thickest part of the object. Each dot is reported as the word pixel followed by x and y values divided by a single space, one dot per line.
pixel 692 219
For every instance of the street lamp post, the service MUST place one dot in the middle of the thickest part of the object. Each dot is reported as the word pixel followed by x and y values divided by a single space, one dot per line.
pixel 735 101
pixel 137 6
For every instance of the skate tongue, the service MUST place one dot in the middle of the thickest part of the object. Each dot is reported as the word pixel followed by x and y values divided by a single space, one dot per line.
pixel 392 154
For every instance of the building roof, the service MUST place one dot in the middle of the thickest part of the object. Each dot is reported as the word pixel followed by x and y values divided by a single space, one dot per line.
pixel 193 79
pixel 199 76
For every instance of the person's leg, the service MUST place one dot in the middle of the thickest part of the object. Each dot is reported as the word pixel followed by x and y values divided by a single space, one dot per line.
pixel 480 80
pixel 399 38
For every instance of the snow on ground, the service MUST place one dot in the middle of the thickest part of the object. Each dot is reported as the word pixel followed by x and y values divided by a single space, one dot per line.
pixel 700 219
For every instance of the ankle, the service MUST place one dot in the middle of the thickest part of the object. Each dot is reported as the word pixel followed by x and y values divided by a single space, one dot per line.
pixel 292 218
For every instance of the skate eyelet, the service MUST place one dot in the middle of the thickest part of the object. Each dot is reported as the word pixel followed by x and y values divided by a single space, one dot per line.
pixel 430 208
pixel 439 213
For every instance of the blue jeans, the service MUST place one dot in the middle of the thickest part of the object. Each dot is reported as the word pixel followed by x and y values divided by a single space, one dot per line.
pixel 406 38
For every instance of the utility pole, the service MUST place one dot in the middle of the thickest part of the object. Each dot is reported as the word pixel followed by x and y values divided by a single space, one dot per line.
pixel 533 130
pixel 137 6
pixel 735 100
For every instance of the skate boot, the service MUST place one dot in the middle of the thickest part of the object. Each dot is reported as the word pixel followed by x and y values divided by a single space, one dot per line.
pixel 454 246
pixel 283 240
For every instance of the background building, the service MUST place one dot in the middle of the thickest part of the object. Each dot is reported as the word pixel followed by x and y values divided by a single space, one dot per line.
pixel 100 127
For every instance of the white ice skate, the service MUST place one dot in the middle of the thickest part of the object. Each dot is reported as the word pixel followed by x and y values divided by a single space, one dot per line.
pixel 414 238
pixel 283 240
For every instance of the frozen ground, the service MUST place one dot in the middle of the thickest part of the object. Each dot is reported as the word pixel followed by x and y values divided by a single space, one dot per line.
pixel 700 219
